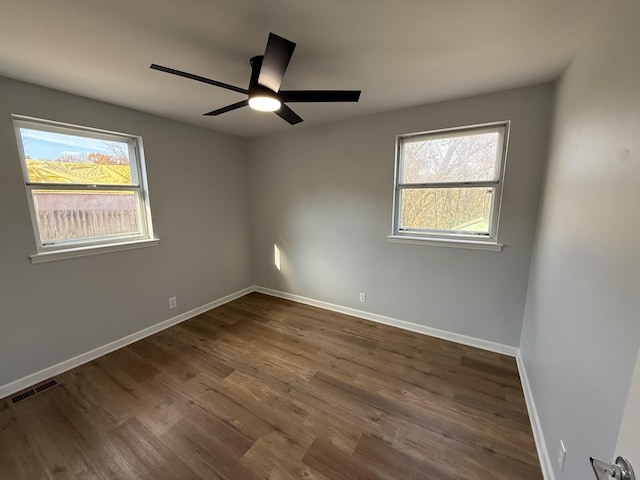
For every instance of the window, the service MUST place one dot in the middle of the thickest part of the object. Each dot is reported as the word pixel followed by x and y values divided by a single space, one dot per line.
pixel 448 185
pixel 86 189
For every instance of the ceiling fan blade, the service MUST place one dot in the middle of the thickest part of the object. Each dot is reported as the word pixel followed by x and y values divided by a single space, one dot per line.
pixel 228 108
pixel 319 95
pixel 198 78
pixel 275 62
pixel 288 115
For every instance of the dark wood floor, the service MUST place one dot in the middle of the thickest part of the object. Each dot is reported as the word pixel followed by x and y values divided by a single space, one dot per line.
pixel 266 388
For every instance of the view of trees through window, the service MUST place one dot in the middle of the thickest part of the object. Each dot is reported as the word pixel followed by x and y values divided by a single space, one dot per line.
pixel 436 180
pixel 97 168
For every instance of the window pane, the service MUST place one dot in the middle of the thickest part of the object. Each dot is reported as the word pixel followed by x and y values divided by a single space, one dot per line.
pixel 62 158
pixel 466 210
pixel 71 215
pixel 455 158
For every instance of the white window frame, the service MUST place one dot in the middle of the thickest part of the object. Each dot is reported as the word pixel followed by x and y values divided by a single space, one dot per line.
pixel 49 251
pixel 458 238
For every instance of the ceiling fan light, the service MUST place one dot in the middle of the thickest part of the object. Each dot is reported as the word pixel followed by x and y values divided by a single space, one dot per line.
pixel 264 103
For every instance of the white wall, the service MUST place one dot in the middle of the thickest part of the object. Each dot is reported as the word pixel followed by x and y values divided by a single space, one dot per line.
pixel 197 178
pixel 582 322
pixel 324 195
pixel 628 443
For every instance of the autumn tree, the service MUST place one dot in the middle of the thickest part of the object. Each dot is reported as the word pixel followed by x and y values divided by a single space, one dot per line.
pixel 104 159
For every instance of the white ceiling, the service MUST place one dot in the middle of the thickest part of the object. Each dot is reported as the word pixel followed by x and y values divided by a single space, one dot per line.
pixel 399 53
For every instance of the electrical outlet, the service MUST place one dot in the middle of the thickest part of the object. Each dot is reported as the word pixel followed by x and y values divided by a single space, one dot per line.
pixel 173 303
pixel 562 454
pixel 363 297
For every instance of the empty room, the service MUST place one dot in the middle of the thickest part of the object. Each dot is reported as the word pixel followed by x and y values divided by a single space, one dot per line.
pixel 324 240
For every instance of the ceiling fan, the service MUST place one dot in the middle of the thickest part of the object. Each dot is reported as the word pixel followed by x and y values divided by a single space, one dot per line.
pixel 264 94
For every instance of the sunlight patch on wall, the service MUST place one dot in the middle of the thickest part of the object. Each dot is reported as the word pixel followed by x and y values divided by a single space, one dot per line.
pixel 276 256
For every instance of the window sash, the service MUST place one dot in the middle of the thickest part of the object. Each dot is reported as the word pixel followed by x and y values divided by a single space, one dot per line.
pixel 138 185
pixel 490 183
pixel 444 233
pixel 44 245
pixel 90 187
pixel 81 132
pixel 503 129
pixel 500 128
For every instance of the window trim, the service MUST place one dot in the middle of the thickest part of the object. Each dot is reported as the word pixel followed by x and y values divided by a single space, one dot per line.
pixel 75 248
pixel 451 238
pixel 91 250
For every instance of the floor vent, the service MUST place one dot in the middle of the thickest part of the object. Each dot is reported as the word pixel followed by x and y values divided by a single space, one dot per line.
pixel 32 392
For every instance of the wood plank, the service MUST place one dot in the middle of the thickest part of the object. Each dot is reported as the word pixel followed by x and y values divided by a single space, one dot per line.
pixel 397 464
pixel 265 388
pixel 336 464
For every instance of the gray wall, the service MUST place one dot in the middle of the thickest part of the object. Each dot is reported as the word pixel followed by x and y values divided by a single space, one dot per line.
pixel 582 330
pixel 324 195
pixel 197 179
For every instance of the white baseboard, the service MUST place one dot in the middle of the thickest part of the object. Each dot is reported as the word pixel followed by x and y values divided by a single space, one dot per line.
pixel 413 327
pixel 538 436
pixel 536 426
pixel 37 377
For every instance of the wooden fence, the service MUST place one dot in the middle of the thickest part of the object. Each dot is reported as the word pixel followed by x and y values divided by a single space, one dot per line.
pixel 69 224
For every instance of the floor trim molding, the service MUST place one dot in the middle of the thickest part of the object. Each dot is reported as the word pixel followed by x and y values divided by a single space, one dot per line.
pixel 394 322
pixel 536 425
pixel 543 453
pixel 46 373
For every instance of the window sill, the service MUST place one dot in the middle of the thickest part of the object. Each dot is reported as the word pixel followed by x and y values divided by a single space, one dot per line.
pixel 92 250
pixel 446 242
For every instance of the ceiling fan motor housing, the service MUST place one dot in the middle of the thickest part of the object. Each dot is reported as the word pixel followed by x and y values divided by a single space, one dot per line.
pixel 256 65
